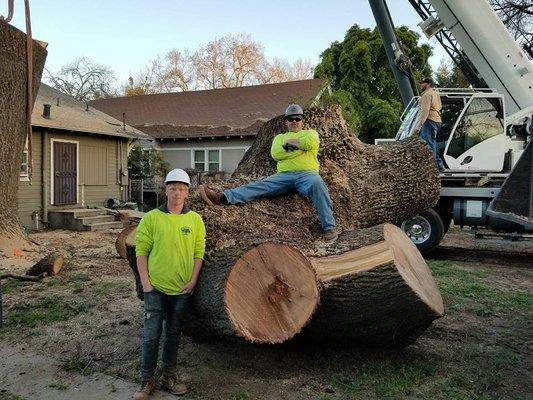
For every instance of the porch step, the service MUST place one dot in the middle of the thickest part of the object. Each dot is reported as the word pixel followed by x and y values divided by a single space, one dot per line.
pixel 97 218
pixel 82 219
pixel 104 225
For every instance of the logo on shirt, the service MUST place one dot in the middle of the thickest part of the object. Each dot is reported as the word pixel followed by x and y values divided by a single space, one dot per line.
pixel 186 230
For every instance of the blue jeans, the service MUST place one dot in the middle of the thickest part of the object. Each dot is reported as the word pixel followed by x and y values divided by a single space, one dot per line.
pixel 305 182
pixel 429 132
pixel 159 308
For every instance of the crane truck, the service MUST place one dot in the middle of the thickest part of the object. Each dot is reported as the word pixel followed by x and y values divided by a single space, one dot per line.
pixel 485 138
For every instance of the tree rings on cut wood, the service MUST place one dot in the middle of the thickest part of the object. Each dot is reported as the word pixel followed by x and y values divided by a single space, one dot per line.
pixel 120 243
pixel 266 294
pixel 50 264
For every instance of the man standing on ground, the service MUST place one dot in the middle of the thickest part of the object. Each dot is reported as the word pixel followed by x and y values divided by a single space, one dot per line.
pixel 429 121
pixel 296 153
pixel 170 246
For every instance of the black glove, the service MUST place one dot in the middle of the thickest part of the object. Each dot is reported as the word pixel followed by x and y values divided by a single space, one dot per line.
pixel 289 147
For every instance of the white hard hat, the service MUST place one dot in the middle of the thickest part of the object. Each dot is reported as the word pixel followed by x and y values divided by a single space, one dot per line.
pixel 178 175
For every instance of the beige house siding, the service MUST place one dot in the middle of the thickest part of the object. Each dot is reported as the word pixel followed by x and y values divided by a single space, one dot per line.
pixel 181 154
pixel 100 163
pixel 29 195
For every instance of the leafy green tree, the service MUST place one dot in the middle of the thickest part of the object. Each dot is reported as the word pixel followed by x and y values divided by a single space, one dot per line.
pixel 359 67
pixel 146 163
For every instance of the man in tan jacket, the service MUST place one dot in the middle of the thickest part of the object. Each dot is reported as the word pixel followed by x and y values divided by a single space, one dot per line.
pixel 429 121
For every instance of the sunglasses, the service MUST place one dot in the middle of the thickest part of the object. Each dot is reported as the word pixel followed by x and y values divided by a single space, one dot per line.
pixel 294 119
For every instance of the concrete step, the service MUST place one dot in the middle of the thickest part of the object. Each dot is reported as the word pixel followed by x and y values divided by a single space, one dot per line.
pixel 104 225
pixel 97 218
pixel 88 212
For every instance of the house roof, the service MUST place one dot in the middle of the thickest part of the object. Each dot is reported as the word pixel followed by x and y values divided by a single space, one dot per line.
pixel 73 115
pixel 217 112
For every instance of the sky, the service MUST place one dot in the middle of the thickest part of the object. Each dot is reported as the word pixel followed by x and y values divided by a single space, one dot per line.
pixel 126 34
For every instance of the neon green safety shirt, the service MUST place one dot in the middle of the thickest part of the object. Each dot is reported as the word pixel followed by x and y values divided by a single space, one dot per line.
pixel 171 242
pixel 304 159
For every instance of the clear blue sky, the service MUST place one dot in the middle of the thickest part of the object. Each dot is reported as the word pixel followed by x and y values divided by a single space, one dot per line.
pixel 126 34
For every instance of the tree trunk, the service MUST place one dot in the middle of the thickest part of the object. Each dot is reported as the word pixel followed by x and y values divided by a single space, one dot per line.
pixel 375 286
pixel 368 184
pixel 376 289
pixel 265 294
pixel 13 125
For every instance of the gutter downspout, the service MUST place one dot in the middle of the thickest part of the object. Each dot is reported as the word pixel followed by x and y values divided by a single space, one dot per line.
pixel 44 176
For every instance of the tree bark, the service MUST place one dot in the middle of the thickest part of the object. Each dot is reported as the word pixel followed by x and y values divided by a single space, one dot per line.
pixel 120 243
pixel 265 294
pixel 13 124
pixel 375 286
pixel 376 289
pixel 368 184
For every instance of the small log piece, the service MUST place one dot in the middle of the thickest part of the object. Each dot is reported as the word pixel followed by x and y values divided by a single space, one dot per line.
pixel 50 265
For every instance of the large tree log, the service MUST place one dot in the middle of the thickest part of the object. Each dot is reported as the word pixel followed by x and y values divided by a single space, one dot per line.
pixel 13 125
pixel 377 289
pixel 265 294
pixel 369 185
pixel 375 285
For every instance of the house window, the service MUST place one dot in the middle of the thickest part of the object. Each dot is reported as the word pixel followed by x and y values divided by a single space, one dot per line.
pixel 207 160
pixel 25 162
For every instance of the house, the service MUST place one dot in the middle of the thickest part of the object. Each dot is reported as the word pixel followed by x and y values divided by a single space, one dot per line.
pixel 79 157
pixel 209 130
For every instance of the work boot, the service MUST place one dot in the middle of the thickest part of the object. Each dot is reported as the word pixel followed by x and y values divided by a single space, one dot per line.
pixel 172 385
pixel 211 197
pixel 146 390
pixel 330 235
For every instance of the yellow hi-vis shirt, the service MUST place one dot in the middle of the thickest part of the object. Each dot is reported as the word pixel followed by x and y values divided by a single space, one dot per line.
pixel 304 159
pixel 171 242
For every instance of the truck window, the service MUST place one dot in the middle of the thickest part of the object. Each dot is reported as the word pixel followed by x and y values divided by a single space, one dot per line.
pixel 482 120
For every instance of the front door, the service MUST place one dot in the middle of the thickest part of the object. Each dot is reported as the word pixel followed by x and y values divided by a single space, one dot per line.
pixel 65 173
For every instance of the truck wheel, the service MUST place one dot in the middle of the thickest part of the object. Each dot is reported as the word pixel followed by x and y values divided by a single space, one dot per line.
pixel 425 230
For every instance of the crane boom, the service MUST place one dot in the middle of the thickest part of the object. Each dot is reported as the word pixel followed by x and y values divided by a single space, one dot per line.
pixel 488 44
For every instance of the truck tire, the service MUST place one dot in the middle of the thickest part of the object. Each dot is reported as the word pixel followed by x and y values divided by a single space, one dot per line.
pixel 425 230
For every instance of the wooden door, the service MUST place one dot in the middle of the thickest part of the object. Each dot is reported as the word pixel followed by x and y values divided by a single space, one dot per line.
pixel 65 173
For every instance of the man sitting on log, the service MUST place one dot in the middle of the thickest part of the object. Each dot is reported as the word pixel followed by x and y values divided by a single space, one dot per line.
pixel 170 246
pixel 296 153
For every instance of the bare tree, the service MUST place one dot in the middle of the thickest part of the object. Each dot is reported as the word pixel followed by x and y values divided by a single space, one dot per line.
pixel 230 61
pixel 517 16
pixel 83 79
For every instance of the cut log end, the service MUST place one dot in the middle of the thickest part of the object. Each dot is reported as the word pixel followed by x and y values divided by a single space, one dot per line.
pixel 49 265
pixel 413 268
pixel 271 293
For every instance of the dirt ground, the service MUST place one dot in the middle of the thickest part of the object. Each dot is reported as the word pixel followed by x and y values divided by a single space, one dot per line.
pixel 77 336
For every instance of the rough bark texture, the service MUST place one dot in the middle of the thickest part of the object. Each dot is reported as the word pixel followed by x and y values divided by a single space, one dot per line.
pixel 388 299
pixel 369 185
pixel 13 124
pixel 120 243
pixel 380 294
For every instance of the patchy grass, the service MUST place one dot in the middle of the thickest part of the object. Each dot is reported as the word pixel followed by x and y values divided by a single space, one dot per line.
pixel 462 287
pixel 44 310
pixel 77 363
pixel 58 385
